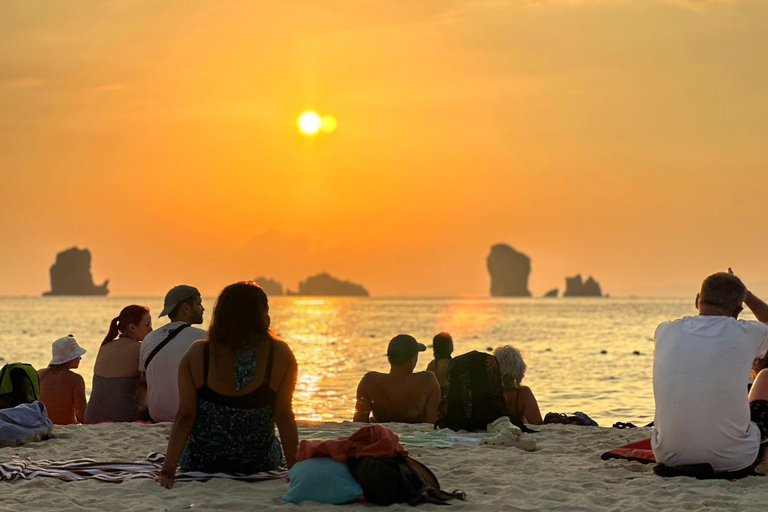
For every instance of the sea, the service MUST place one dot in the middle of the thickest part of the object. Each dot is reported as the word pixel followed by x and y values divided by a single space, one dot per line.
pixel 593 355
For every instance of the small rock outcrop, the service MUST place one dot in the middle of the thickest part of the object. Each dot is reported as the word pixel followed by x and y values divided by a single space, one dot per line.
pixel 71 274
pixel 271 287
pixel 509 272
pixel 551 293
pixel 575 287
pixel 327 285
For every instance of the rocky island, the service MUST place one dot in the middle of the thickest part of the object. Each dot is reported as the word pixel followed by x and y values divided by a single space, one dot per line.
pixel 326 285
pixel 271 287
pixel 509 272
pixel 575 287
pixel 71 274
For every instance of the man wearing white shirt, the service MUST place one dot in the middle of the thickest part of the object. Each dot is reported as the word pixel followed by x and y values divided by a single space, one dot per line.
pixel 163 348
pixel 700 374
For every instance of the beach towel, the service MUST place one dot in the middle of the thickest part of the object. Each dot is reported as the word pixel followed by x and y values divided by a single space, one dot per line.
pixel 640 451
pixel 23 424
pixel 113 472
pixel 370 441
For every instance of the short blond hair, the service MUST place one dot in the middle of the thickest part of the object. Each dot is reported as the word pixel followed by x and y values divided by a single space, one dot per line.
pixel 511 366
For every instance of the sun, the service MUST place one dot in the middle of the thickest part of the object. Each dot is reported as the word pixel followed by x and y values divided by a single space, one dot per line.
pixel 310 122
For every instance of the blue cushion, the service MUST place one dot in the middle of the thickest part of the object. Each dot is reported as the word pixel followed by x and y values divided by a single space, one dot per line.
pixel 323 480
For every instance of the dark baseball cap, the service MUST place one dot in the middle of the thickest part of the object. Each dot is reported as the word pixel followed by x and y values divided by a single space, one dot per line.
pixel 176 295
pixel 403 347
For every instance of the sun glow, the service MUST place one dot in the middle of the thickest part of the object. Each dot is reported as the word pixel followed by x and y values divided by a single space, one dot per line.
pixel 310 123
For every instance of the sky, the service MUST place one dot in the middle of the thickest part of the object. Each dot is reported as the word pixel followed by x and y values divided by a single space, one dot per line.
pixel 623 139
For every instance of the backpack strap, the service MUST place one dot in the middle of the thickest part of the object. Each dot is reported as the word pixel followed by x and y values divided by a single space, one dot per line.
pixel 163 343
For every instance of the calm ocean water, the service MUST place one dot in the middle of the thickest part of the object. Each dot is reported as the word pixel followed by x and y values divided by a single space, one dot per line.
pixel 337 339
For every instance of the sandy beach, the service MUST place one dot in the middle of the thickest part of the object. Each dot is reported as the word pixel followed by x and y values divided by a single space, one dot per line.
pixel 565 473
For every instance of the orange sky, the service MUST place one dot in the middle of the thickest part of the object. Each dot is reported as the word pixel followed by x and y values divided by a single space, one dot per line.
pixel 622 139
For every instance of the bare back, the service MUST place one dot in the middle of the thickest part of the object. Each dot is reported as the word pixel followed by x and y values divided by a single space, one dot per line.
pixel 63 394
pixel 118 358
pixel 440 368
pixel 410 398
pixel 522 405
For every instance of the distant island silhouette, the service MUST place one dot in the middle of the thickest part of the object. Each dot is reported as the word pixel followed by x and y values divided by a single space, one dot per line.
pixel 575 287
pixel 509 271
pixel 71 275
pixel 326 284
pixel 271 287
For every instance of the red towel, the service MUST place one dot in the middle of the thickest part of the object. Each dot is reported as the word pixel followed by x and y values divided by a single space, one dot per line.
pixel 640 451
pixel 371 441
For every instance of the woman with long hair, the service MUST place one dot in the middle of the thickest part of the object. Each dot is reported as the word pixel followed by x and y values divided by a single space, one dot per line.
pixel 234 388
pixel 520 400
pixel 116 370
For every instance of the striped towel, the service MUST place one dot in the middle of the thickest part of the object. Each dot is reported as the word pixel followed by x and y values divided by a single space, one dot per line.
pixel 115 472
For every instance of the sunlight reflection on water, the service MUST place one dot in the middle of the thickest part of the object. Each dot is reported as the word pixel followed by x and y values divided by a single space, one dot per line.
pixel 336 340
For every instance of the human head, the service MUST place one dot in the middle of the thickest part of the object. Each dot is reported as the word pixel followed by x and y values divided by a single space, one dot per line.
pixel 133 321
pixel 183 303
pixel 64 351
pixel 240 316
pixel 404 348
pixel 511 366
pixel 442 345
pixel 721 294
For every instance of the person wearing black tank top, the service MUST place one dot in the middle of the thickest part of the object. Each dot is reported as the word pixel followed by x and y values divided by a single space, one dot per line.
pixel 234 388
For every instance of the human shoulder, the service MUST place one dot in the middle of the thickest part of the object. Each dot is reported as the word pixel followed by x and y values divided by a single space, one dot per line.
pixel 524 391
pixel 427 378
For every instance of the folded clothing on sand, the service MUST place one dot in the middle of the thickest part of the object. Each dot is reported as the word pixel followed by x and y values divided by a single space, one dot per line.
pixel 115 472
pixel 23 424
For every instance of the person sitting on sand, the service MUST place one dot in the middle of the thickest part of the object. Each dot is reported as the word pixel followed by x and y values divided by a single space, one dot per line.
pixel 442 347
pixel 62 391
pixel 162 350
pixel 234 388
pixel 521 403
pixel 701 362
pixel 400 395
pixel 116 371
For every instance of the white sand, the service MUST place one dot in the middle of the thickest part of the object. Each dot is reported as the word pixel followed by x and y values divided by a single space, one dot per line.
pixel 565 473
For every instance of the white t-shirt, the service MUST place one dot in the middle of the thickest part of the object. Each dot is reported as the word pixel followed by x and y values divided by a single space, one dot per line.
pixel 700 374
pixel 163 373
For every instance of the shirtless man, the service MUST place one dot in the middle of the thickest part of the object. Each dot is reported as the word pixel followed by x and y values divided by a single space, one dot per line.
pixel 400 395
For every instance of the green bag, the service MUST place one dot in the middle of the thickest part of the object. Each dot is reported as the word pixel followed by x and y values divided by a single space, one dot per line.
pixel 19 384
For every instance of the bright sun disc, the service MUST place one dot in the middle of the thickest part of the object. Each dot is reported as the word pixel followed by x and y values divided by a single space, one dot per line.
pixel 310 123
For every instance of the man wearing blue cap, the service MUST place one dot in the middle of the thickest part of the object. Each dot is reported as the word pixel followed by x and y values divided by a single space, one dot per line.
pixel 401 395
pixel 162 350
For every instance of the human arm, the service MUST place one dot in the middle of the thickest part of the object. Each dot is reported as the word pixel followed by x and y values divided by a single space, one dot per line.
pixel 182 425
pixel 142 408
pixel 755 305
pixel 284 417
pixel 79 398
pixel 531 411
pixel 363 405
pixel 433 398
pixel 432 366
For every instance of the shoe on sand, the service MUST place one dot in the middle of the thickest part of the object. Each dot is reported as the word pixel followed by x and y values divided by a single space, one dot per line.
pixel 511 437
pixel 501 424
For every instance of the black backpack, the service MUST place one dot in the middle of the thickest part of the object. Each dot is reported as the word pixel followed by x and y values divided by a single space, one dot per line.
pixel 473 396
pixel 399 480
